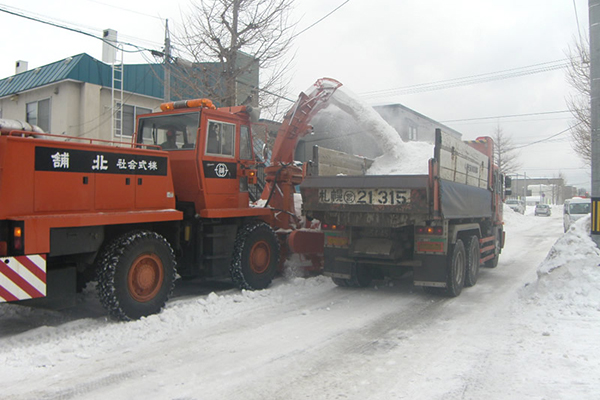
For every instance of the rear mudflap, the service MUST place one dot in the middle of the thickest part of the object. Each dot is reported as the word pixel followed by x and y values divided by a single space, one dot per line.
pixel 336 268
pixel 431 272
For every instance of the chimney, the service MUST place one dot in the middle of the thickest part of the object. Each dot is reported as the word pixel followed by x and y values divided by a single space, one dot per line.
pixel 109 46
pixel 21 66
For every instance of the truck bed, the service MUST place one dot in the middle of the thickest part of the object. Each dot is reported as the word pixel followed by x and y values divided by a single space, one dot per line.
pixel 386 201
pixel 455 188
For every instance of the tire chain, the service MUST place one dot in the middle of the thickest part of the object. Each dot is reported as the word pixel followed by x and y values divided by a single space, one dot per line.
pixel 235 269
pixel 106 269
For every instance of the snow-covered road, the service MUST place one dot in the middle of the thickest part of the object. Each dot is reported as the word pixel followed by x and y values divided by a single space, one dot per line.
pixel 308 339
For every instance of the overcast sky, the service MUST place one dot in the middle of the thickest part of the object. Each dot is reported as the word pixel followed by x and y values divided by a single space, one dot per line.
pixel 377 49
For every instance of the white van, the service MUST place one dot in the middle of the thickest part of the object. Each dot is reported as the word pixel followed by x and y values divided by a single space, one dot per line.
pixel 574 209
pixel 517 205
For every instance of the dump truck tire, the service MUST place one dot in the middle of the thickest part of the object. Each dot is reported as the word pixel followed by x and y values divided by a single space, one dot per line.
pixel 473 257
pixel 136 275
pixel 255 257
pixel 455 269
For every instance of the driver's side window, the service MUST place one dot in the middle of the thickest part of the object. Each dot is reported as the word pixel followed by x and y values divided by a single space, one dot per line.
pixel 220 139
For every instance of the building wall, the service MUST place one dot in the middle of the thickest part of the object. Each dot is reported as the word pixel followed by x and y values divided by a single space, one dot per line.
pixel 90 120
pixel 77 109
pixel 411 125
pixel 106 110
pixel 554 189
pixel 64 116
pixel 15 106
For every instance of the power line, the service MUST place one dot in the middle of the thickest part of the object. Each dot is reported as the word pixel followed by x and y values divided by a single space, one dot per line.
pixel 476 76
pixel 548 138
pixel 512 121
pixel 321 19
pixel 139 48
pixel 470 80
pixel 553 169
pixel 577 20
pixel 505 116
pixel 126 9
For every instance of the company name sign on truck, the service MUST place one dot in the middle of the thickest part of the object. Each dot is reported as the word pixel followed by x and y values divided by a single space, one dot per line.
pixel 72 160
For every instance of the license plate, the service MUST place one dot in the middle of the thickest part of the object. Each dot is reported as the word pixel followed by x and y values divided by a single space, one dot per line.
pixel 383 197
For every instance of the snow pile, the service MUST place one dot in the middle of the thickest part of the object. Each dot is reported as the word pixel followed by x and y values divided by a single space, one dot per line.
pixel 574 247
pixel 569 278
pixel 414 161
pixel 86 338
pixel 399 157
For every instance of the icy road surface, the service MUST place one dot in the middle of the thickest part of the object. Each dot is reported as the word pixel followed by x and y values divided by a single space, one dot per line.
pixel 509 337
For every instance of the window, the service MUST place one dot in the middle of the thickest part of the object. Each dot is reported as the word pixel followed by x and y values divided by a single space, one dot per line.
pixel 220 139
pixel 130 113
pixel 38 113
pixel 245 143
pixel 412 133
pixel 156 130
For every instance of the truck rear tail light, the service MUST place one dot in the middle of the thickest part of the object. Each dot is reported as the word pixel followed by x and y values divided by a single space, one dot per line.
pixel 333 227
pixel 18 238
pixel 429 230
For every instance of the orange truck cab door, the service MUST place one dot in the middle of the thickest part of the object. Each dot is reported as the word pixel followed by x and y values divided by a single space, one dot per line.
pixel 225 151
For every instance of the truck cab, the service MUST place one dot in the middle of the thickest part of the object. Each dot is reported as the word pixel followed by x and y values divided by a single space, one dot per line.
pixel 210 153
pixel 212 163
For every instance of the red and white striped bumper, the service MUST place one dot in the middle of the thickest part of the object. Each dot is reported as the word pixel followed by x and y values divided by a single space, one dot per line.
pixel 22 277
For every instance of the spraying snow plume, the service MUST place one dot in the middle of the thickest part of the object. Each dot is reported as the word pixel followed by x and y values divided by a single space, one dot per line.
pixel 398 157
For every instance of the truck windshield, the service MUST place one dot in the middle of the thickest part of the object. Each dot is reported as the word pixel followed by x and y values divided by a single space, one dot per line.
pixel 579 208
pixel 170 132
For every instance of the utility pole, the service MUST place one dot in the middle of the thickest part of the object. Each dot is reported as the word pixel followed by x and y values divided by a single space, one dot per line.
pixel 594 14
pixel 167 85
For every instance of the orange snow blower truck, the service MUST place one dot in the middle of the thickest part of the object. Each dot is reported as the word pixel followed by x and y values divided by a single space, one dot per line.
pixel 134 215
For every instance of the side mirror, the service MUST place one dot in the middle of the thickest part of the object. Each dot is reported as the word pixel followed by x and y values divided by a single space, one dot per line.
pixel 507 181
pixel 253 113
pixel 265 153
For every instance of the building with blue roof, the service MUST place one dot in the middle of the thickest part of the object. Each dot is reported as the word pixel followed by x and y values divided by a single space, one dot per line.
pixel 75 96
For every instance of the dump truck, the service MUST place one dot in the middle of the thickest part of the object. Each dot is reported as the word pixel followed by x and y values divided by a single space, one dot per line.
pixel 134 215
pixel 440 227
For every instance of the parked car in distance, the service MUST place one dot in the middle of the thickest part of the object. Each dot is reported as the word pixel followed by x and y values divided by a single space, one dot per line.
pixel 543 209
pixel 516 205
pixel 574 209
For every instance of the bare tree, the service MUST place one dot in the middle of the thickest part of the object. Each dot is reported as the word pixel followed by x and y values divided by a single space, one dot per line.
pixel 578 76
pixel 237 37
pixel 504 152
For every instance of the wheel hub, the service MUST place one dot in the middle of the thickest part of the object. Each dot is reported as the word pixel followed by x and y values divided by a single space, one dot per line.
pixel 260 257
pixel 145 277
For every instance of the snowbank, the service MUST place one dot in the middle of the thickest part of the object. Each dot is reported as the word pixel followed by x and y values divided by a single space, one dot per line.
pixel 569 278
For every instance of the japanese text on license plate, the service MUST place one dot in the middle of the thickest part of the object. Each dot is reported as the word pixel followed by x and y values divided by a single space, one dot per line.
pixel 386 197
